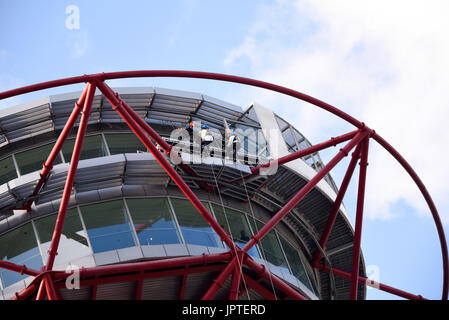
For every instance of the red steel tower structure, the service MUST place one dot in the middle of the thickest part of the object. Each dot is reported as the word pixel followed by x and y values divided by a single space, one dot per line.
pixel 236 271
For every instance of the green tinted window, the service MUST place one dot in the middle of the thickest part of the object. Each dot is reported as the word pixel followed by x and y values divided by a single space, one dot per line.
pixel 73 243
pixel 124 143
pixel 295 263
pixel 19 246
pixel 153 221
pixel 93 147
pixel 194 227
pixel 32 160
pixel 271 249
pixel 235 224
pixel 7 170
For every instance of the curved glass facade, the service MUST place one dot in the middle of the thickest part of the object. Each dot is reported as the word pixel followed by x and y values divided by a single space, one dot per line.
pixel 127 222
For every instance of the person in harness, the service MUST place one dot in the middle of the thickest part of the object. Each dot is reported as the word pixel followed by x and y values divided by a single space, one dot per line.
pixel 206 136
pixel 232 144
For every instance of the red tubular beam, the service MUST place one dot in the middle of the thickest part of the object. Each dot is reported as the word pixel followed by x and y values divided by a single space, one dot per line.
pixel 70 177
pixel 19 269
pixel 338 201
pixel 164 145
pixel 183 74
pixel 234 290
pixel 118 105
pixel 307 151
pixel 139 289
pixel 268 86
pixel 267 294
pixel 278 283
pixel 48 165
pixel 41 293
pixel 145 266
pixel 304 191
pixel 140 275
pixel 359 219
pixel 236 277
pixel 431 205
pixel 218 283
pixel 25 293
pixel 371 283
pixel 151 132
pixel 182 288
pixel 51 292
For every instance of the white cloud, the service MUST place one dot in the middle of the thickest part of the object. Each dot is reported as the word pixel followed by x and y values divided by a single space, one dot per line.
pixel 384 62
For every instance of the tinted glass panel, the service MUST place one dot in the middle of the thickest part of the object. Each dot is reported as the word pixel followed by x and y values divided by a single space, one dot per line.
pixel 194 227
pixel 93 147
pixel 153 221
pixel 7 170
pixel 73 243
pixel 124 143
pixel 32 160
pixel 108 226
pixel 270 247
pixel 20 247
pixel 236 225
pixel 295 263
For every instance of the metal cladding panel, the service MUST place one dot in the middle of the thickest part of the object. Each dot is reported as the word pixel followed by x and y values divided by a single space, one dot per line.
pixel 197 284
pixel 117 291
pixel 219 111
pixel 83 293
pixel 164 288
pixel 3 139
pixel 27 123
pixel 342 261
pixel 62 111
pixel 223 292
pixel 62 108
pixel 168 116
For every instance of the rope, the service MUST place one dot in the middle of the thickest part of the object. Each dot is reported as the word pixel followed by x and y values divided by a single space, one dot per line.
pixel 257 230
pixel 240 265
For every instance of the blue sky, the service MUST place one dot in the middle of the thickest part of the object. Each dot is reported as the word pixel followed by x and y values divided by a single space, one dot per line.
pixel 385 63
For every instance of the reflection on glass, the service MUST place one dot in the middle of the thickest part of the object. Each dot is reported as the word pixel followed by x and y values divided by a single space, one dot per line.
pixel 7 170
pixel 194 227
pixel 32 160
pixel 295 263
pixel 236 225
pixel 73 243
pixel 252 141
pixel 270 247
pixel 107 226
pixel 153 221
pixel 124 143
pixel 19 246
pixel 93 147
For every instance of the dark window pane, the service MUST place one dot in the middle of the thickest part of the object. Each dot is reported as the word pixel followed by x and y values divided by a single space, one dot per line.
pixel 20 247
pixel 32 160
pixel 153 221
pixel 73 243
pixel 271 249
pixel 236 225
pixel 93 147
pixel 295 263
pixel 7 170
pixel 107 226
pixel 124 143
pixel 194 227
